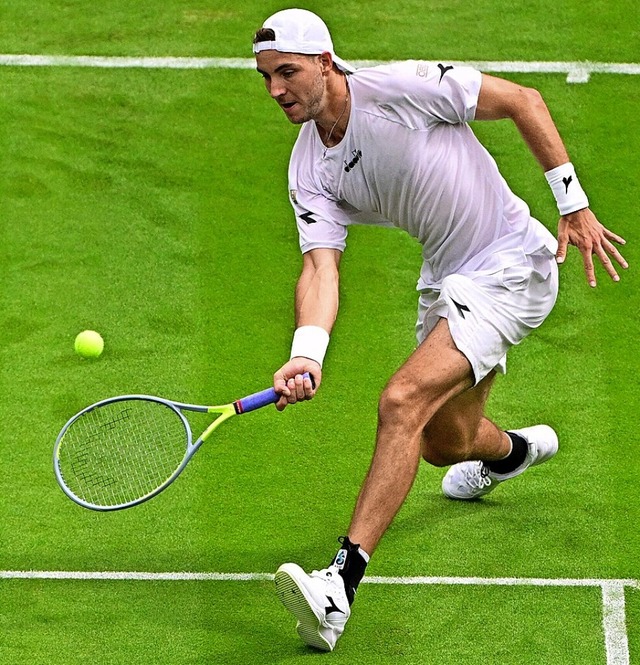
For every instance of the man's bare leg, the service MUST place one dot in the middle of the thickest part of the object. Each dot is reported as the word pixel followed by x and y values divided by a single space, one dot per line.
pixel 434 374
pixel 460 431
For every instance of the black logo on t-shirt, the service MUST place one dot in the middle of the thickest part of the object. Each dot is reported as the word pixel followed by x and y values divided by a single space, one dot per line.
pixel 356 158
pixel 443 70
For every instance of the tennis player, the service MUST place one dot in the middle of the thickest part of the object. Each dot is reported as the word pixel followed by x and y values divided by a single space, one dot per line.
pixel 391 145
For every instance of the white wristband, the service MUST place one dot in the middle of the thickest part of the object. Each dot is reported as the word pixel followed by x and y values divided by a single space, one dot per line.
pixel 310 342
pixel 566 188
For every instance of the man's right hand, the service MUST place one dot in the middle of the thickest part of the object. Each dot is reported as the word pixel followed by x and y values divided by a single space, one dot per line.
pixel 290 384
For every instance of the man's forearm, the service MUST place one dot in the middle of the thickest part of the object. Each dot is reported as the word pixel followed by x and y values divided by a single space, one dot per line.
pixel 535 124
pixel 317 298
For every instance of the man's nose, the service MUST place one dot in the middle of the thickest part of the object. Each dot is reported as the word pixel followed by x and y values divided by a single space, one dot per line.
pixel 277 89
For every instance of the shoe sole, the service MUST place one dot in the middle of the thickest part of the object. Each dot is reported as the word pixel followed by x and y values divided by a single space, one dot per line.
pixel 294 598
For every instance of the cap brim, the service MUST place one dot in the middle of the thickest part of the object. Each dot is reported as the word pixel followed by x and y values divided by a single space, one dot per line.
pixel 342 65
pixel 284 47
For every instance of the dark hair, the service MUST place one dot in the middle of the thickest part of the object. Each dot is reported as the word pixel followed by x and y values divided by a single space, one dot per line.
pixel 264 35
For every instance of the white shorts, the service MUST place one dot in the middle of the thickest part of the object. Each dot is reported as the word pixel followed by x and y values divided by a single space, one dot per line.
pixel 490 313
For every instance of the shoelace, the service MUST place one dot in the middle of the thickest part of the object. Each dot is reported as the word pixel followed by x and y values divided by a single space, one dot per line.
pixel 477 476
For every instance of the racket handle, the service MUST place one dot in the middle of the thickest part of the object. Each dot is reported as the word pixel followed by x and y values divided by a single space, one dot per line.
pixel 263 398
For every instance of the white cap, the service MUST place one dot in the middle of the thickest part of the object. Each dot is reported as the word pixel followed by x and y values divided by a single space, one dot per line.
pixel 300 31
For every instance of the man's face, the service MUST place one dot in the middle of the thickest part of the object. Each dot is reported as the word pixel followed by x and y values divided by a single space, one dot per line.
pixel 295 81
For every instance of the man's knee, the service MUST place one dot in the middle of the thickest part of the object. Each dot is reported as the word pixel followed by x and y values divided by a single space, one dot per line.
pixel 394 400
pixel 404 403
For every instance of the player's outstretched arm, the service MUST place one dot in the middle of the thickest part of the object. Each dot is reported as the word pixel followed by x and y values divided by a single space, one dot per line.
pixel 578 226
pixel 317 299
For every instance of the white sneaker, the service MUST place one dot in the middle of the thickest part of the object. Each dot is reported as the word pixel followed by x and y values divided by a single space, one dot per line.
pixel 318 601
pixel 471 480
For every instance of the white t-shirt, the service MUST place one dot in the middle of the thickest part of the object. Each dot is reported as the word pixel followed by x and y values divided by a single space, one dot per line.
pixel 409 159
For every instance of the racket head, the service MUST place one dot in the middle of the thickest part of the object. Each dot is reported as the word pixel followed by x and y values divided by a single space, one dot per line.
pixel 122 451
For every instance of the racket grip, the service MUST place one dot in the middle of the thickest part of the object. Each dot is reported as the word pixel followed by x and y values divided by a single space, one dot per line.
pixel 263 398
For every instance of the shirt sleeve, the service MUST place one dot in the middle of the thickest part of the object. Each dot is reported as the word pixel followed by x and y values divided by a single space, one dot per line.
pixel 452 92
pixel 425 93
pixel 321 222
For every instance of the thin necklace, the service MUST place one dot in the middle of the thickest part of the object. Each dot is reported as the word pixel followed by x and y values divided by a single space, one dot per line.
pixel 344 108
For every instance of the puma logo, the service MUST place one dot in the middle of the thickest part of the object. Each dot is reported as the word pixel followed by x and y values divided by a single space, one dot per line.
pixel 443 70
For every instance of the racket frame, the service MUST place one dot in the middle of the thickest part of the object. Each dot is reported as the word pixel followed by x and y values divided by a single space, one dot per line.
pixel 225 411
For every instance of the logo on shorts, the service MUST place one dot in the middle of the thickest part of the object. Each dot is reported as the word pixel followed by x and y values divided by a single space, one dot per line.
pixel 461 308
pixel 293 193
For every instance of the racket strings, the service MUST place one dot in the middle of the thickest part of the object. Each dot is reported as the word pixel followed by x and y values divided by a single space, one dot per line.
pixel 121 451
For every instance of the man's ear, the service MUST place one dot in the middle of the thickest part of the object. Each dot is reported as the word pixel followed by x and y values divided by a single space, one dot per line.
pixel 326 61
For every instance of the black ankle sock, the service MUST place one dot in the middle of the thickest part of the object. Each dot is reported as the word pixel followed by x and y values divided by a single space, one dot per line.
pixel 514 459
pixel 351 565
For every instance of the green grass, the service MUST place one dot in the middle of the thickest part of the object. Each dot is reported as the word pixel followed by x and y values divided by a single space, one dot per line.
pixel 151 206
pixel 451 29
pixel 235 623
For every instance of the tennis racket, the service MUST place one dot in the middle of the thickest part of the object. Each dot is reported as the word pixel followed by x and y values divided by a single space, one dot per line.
pixel 124 450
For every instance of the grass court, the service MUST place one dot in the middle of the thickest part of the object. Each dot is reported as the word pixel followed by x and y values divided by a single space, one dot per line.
pixel 151 205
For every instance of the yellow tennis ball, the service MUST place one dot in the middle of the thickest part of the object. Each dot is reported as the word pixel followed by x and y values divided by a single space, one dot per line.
pixel 89 344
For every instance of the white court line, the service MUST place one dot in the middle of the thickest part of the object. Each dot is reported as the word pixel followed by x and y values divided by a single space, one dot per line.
pixel 613 592
pixel 614 622
pixel 132 575
pixel 576 72
pixel 257 577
